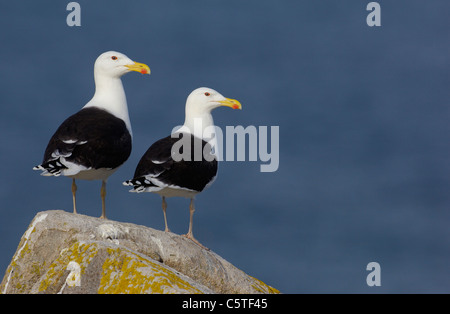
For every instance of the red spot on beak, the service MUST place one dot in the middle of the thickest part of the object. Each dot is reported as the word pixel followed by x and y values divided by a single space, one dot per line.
pixel 235 107
pixel 144 71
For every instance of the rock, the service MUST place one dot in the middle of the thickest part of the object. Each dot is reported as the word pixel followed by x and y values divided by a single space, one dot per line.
pixel 68 253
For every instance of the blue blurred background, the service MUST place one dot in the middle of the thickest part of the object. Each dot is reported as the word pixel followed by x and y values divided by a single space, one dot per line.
pixel 363 115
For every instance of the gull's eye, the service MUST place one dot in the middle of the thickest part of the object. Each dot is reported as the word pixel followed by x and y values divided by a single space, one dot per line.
pixel 207 94
pixel 114 57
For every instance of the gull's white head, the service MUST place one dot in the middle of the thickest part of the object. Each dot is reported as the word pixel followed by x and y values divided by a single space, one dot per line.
pixel 199 105
pixel 109 92
pixel 116 64
pixel 203 100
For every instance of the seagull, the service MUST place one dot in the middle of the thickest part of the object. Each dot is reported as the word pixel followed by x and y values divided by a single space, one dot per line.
pixel 184 163
pixel 94 142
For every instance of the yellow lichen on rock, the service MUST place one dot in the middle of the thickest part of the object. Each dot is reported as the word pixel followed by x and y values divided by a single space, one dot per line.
pixel 80 253
pixel 127 272
pixel 262 287
pixel 122 271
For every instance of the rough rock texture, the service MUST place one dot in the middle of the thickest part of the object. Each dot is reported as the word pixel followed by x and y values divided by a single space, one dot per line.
pixel 66 253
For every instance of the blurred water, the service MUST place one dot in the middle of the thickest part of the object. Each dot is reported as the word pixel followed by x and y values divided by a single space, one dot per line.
pixel 363 116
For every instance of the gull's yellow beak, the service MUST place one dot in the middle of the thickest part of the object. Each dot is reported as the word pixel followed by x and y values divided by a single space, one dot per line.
pixel 139 67
pixel 232 103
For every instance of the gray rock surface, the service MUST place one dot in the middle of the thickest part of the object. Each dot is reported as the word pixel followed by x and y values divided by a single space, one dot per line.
pixel 61 252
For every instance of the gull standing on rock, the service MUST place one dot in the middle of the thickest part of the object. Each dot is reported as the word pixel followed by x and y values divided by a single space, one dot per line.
pixel 94 142
pixel 170 169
